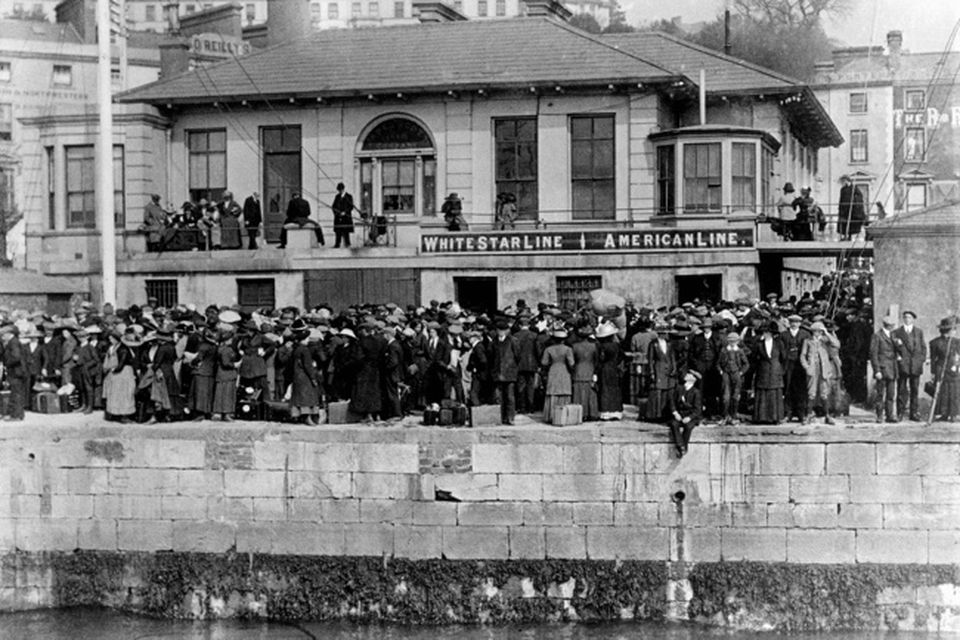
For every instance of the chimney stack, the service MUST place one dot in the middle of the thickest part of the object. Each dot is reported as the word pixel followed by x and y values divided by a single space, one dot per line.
pixel 82 14
pixel 287 20
pixel 548 8
pixel 428 11
pixel 894 46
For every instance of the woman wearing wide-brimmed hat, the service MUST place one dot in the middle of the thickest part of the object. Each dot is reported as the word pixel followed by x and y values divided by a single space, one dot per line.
pixel 119 377
pixel 225 388
pixel 769 360
pixel 945 368
pixel 584 370
pixel 306 388
pixel 203 382
pixel 661 355
pixel 559 362
pixel 609 395
pixel 452 211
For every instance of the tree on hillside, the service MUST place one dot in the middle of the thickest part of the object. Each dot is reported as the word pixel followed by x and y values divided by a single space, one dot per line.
pixel 618 21
pixel 793 13
pixel 586 22
pixel 791 49
pixel 664 26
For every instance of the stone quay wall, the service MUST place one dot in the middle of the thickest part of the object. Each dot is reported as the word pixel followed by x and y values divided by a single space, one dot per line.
pixel 879 504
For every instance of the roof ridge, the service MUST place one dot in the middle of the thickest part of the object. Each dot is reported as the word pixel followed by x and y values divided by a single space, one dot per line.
pixel 712 52
pixel 599 40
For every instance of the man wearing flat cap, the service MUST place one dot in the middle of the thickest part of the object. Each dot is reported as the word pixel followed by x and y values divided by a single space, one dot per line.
pixel 911 354
pixel 794 376
pixel 883 359
pixel 821 364
pixel 506 362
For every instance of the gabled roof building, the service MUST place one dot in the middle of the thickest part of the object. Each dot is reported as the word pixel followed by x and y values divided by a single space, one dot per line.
pixel 618 180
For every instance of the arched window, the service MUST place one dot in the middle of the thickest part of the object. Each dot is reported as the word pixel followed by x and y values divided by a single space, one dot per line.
pixel 397 168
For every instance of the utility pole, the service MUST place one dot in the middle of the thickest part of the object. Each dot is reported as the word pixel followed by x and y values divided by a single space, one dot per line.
pixel 104 159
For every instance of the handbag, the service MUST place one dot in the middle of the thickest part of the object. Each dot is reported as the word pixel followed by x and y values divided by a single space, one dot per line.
pixel 930 388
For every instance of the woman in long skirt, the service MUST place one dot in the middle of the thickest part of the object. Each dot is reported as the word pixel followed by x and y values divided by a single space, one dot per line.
pixel 584 370
pixel 945 368
pixel 608 373
pixel 768 377
pixel 306 386
pixel 559 361
pixel 225 391
pixel 119 378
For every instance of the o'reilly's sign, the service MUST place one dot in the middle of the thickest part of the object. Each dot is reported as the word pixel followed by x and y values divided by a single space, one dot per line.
pixel 218 46
pixel 602 241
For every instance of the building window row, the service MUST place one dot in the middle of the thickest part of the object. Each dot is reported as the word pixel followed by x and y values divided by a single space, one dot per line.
pixel 6 121
pixel 81 184
pixel 62 74
pixel 858 145
pixel 858 102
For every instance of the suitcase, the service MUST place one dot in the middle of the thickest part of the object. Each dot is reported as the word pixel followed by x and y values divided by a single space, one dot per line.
pixel 64 402
pixel 446 418
pixel 276 411
pixel 460 415
pixel 431 417
pixel 46 402
pixel 485 415
pixel 567 415
pixel 338 412
pixel 5 402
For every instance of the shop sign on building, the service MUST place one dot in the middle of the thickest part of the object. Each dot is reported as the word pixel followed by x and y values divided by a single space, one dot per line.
pixel 218 46
pixel 930 118
pixel 603 241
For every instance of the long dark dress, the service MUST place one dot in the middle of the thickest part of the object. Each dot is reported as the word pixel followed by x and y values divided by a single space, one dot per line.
pixel 305 382
pixel 608 379
pixel 225 392
pixel 204 370
pixel 768 382
pixel 230 225
pixel 367 387
pixel 948 398
pixel 663 379
pixel 584 368
pixel 558 358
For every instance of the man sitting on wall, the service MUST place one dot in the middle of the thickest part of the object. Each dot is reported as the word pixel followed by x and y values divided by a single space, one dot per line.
pixel 298 217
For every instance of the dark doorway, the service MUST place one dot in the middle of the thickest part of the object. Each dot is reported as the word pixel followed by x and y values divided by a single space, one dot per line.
pixel 281 175
pixel 705 288
pixel 477 293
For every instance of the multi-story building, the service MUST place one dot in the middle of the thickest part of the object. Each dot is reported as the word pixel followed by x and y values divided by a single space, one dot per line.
pixel 12 9
pixel 49 70
pixel 900 114
pixel 619 180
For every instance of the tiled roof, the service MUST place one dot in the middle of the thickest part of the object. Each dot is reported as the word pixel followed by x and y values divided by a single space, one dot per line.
pixel 945 214
pixel 37 31
pixel 412 58
pixel 725 73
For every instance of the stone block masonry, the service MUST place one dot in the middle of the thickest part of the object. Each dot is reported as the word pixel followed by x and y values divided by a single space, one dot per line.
pixel 830 498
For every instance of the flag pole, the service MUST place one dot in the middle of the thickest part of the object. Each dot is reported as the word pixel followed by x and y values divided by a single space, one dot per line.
pixel 104 159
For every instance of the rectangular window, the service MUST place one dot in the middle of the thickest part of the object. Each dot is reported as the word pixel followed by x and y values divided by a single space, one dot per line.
pixel 150 13
pixel 282 173
pixel 858 145
pixel 573 292
pixel 6 121
pixel 399 185
pixel 743 174
pixel 593 167
pixel 482 8
pixel 6 193
pixel 333 10
pixel 916 196
pixel 458 5
pixel 165 291
pixel 666 180
pixel 398 9
pixel 51 189
pixel 6 72
pixel 62 75
pixel 915 144
pixel 516 163
pixel 858 102
pixel 355 9
pixel 254 293
pixel 766 172
pixel 501 8
pixel 81 184
pixel 251 12
pixel 373 9
pixel 207 163
pixel 915 99
pixel 191 8
pixel 701 177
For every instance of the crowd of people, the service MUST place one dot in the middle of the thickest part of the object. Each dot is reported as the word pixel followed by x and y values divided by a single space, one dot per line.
pixel 217 224
pixel 801 218
pixel 770 360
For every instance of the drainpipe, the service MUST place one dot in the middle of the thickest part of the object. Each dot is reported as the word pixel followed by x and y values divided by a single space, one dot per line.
pixel 703 96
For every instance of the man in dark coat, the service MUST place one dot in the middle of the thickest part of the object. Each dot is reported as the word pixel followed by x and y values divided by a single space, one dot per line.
pixel 342 216
pixel 90 369
pixel 393 369
pixel 852 213
pixel 15 366
pixel 911 354
pixel 527 343
pixel 506 369
pixel 366 399
pixel 705 351
pixel 298 217
pixel 252 218
pixel 883 359
pixel 794 377
pixel 438 379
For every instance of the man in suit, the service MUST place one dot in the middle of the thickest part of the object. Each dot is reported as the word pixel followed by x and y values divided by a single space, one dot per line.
pixel 883 359
pixel 252 217
pixel 705 349
pixel 820 362
pixel 393 367
pixel 506 365
pixel 342 216
pixel 298 217
pixel 13 359
pixel 527 342
pixel 794 377
pixel 911 353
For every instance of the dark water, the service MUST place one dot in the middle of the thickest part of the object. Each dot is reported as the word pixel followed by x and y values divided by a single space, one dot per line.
pixel 96 624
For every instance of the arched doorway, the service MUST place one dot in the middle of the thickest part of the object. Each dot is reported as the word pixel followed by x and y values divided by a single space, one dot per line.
pixel 397 168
